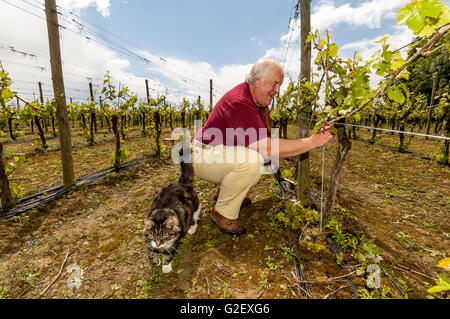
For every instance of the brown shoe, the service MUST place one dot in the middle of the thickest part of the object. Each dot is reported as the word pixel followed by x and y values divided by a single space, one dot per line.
pixel 227 226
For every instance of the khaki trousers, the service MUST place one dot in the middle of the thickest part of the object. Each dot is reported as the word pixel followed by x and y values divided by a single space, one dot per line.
pixel 235 168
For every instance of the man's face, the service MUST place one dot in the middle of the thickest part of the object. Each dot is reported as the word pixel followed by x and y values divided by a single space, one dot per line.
pixel 265 91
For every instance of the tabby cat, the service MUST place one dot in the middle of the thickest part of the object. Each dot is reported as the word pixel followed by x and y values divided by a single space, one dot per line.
pixel 174 212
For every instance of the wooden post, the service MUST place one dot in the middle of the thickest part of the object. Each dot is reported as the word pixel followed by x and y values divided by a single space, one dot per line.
pixel 65 139
pixel 93 126
pixel 41 97
pixel 148 94
pixel 210 95
pixel 303 169
pixel 430 110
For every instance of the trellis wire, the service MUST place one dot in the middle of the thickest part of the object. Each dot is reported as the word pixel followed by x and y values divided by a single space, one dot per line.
pixel 397 131
pixel 387 130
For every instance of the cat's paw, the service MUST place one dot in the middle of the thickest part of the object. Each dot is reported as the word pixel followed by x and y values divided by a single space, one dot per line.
pixel 155 261
pixel 167 268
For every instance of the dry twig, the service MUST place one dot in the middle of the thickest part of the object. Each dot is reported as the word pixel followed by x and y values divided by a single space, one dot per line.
pixel 334 279
pixel 59 274
pixel 335 291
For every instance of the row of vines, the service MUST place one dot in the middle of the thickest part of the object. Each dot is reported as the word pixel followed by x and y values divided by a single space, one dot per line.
pixel 116 109
pixel 411 95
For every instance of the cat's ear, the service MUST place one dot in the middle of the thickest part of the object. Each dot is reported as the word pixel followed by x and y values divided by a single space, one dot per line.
pixel 171 223
pixel 148 225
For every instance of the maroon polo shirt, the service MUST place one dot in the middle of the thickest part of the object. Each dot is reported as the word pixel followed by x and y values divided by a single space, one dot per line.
pixel 235 120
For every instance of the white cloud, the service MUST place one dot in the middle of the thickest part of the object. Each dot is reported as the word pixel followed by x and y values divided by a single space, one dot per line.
pixel 367 47
pixel 326 14
pixel 83 59
pixel 101 5
pixel 194 76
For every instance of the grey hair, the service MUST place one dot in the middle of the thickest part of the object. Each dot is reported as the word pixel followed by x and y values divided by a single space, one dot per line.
pixel 260 69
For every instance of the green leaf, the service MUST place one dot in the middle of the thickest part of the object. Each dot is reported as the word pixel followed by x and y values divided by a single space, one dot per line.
pixel 443 284
pixel 333 50
pixel 383 39
pixel 397 61
pixel 445 263
pixel 395 94
pixel 430 8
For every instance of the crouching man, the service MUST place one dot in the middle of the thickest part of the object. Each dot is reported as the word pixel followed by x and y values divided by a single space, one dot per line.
pixel 231 147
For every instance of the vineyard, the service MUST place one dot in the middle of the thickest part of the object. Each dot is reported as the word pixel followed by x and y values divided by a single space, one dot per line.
pixel 380 228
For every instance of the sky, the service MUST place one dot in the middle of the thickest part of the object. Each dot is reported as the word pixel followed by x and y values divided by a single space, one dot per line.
pixel 178 45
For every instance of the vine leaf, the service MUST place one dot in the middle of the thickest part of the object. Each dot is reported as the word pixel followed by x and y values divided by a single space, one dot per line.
pixel 395 94
pixel 442 284
pixel 445 263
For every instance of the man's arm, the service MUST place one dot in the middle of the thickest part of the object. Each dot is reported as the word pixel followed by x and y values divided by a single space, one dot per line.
pixel 267 147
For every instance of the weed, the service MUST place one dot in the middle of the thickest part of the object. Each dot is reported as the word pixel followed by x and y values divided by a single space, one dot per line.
pixel 383 293
pixel 271 264
pixel 4 293
pixel 115 287
pixel 224 291
pixel 287 253
pixel 30 276
pixel 263 281
pixel 406 239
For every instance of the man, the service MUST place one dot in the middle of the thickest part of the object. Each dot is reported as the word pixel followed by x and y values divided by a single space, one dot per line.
pixel 230 148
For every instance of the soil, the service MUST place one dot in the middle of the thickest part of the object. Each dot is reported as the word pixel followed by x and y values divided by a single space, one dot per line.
pixel 400 201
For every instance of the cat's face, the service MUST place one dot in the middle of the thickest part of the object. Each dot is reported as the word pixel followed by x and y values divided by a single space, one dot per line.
pixel 162 229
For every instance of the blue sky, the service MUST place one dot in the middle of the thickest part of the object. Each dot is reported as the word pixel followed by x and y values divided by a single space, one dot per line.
pixel 187 41
pixel 219 32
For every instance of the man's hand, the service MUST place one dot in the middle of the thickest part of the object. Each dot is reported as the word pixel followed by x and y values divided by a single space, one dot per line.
pixel 322 137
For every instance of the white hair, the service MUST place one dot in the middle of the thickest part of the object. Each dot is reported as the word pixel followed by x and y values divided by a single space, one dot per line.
pixel 260 69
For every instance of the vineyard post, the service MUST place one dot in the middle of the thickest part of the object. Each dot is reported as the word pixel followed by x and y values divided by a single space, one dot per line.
pixel 114 123
pixel 93 119
pixel 148 102
pixel 41 97
pixel 430 110
pixel 59 92
pixel 303 169
pixel 93 115
pixel 158 133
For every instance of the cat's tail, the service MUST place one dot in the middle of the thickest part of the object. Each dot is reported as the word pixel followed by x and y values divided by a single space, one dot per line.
pixel 187 170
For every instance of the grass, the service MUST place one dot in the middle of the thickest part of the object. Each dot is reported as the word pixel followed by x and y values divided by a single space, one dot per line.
pixel 103 227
